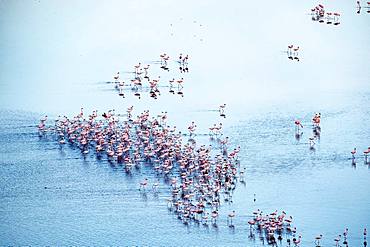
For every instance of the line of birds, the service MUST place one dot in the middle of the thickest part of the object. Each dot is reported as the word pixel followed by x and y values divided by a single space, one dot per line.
pixel 316 120
pixel 365 153
pixel 273 224
pixel 271 227
pixel 316 131
pixel 345 242
pixel 293 52
pixel 141 73
pixel 319 14
pixel 359 7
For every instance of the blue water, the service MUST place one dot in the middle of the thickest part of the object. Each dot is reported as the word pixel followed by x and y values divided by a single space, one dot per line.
pixel 57 58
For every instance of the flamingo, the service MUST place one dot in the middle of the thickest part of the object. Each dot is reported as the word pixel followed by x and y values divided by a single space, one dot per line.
pixel 164 59
pixel 329 14
pixel 191 128
pixel 358 7
pixel 205 218
pixel 251 224
pixel 297 241
pixel 298 124
pixel 321 13
pixel 296 52
pixel 179 83
pixel 365 233
pixel 241 177
pixel 171 81
pixel 155 186
pixel 230 217
pixel 110 152
pixel 143 184
pixel 146 71
pixel 289 221
pixel 224 142
pixel 222 109
pixel 316 120
pixel 185 59
pixel 116 77
pixel 129 110
pixel 120 88
pixel 62 141
pixel 136 83
pixel 81 112
pixel 353 152
pixel 336 18
pixel 218 129
pixel 312 143
pixel 317 240
pixel 345 233
pixel 184 63
pixel 44 119
pixel 290 47
pixel 337 239
pixel 315 13
pixel 157 80
pixel 137 68
pixel 366 153
pixel 211 130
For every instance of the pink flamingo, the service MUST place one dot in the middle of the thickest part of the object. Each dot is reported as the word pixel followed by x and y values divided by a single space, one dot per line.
pixel 298 124
pixel 146 71
pixel 171 81
pixel 290 47
pixel 191 128
pixel 137 68
pixel 136 83
pixel 143 184
pixel 222 109
pixel 366 153
pixel 230 217
pixel 317 240
pixel 358 7
pixel 297 241
pixel 296 52
pixel 353 152
pixel 212 130
pixel 179 83
pixel 251 224
pixel 116 77
pixel 214 216
pixel 337 240
pixel 329 14
pixel 336 18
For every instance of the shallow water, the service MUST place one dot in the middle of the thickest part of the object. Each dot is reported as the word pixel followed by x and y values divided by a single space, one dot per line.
pixel 57 58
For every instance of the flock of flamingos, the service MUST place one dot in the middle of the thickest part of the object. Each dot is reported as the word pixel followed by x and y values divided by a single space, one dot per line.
pixel 141 81
pixel 200 177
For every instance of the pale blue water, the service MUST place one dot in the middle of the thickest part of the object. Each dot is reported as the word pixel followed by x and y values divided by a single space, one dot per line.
pixel 56 58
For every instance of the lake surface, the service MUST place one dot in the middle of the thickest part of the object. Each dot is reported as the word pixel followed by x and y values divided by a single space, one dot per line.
pixel 57 57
